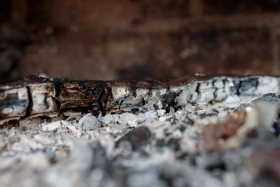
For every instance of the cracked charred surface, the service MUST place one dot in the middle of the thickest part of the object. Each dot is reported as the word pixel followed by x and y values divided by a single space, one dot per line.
pixel 44 97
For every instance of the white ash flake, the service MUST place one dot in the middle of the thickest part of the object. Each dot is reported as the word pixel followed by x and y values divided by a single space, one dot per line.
pixel 51 126
pixel 45 138
pixel 120 92
pixel 89 122
pixel 131 120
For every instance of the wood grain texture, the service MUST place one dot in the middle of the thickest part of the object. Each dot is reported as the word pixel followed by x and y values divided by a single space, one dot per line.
pixel 36 96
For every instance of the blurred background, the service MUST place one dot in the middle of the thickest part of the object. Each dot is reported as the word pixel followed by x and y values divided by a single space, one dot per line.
pixel 138 39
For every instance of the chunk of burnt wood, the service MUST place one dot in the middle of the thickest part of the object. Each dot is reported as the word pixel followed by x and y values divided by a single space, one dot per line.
pixel 37 96
pixel 13 102
pixel 43 99
pixel 138 138
pixel 85 96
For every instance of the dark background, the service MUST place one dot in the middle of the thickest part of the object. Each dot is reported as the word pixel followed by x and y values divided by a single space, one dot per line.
pixel 138 39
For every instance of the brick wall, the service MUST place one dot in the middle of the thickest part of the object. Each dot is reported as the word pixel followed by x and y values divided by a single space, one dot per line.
pixel 125 39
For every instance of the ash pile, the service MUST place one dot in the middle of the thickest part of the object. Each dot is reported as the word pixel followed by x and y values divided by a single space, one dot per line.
pixel 233 142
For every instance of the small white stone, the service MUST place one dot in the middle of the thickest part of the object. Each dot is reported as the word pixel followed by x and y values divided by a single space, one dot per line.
pixel 130 119
pixel 89 122
pixel 52 126
pixel 109 118
pixel 117 129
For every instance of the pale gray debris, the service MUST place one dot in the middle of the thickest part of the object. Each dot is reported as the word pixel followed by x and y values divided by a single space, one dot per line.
pixel 45 138
pixel 160 144
pixel 51 126
pixel 89 122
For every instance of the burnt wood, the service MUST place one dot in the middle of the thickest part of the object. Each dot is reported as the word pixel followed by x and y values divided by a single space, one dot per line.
pixel 36 96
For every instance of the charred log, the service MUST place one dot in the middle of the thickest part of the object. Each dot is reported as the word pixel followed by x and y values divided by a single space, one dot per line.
pixel 37 96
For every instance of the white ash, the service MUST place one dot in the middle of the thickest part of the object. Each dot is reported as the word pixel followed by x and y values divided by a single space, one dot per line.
pixel 51 126
pixel 45 138
pixel 89 122
pixel 151 147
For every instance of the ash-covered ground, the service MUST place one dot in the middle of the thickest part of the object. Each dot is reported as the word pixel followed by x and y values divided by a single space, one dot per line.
pixel 230 143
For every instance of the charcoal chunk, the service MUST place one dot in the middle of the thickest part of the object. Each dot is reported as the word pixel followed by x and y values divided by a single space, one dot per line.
pixel 247 85
pixel 138 138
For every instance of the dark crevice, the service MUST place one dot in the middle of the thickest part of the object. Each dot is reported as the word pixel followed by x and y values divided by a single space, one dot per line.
pixel 219 165
pixel 169 100
pixel 100 101
pixel 216 89
pixel 30 102
pixel 57 87
pixel 197 88
pixel 143 102
pixel 121 102
pixel 133 91
pixel 45 100
pixel 238 86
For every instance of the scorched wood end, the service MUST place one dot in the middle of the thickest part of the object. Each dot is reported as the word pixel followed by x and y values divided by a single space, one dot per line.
pixel 36 96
